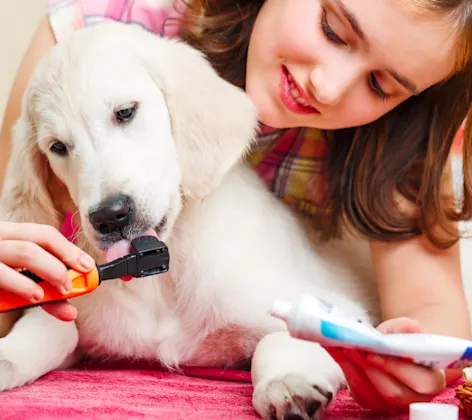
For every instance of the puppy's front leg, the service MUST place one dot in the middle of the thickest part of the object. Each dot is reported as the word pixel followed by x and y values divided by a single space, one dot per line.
pixel 37 344
pixel 293 378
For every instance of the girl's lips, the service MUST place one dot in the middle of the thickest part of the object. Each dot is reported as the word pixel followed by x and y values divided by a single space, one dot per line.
pixel 292 96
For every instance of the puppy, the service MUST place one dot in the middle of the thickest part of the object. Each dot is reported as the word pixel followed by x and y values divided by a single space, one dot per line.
pixel 138 135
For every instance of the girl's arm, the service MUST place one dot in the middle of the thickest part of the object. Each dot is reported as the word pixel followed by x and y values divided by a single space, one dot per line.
pixel 418 281
pixel 422 283
pixel 43 40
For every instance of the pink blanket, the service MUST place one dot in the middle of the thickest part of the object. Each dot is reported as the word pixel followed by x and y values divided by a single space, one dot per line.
pixel 141 391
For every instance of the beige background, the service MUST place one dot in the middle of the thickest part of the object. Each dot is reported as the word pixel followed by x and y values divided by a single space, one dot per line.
pixel 18 20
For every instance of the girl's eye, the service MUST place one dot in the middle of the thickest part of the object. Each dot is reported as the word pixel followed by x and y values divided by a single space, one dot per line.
pixel 328 31
pixel 335 39
pixel 375 86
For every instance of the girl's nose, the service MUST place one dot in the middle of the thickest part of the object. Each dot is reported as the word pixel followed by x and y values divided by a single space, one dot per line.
pixel 329 84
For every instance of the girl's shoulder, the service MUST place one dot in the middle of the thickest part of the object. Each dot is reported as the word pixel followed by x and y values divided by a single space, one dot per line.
pixel 68 16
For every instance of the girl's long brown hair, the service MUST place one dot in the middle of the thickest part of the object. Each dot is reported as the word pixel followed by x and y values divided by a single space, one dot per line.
pixel 403 155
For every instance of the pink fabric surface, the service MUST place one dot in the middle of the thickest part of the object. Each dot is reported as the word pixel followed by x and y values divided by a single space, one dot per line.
pixel 134 391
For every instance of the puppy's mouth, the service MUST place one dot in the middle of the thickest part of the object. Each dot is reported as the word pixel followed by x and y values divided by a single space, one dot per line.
pixel 122 247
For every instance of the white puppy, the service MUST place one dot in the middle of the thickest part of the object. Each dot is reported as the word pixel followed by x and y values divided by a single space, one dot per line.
pixel 137 134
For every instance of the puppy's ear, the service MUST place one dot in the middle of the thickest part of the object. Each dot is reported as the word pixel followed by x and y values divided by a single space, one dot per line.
pixel 29 178
pixel 213 122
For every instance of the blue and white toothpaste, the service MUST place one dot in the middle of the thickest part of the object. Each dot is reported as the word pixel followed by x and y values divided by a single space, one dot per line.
pixel 314 320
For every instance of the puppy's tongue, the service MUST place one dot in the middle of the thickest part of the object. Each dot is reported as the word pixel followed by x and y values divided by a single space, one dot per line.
pixel 121 248
pixel 118 250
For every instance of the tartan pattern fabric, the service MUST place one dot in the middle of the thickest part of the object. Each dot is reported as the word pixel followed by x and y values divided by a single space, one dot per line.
pixel 292 164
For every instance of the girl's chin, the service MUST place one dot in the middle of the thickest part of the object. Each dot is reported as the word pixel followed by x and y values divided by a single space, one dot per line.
pixel 274 118
pixel 277 122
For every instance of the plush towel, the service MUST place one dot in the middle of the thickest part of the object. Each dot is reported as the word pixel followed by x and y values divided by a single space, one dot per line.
pixel 118 391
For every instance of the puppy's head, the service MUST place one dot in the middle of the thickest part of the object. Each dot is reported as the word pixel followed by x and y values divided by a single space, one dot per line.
pixel 128 123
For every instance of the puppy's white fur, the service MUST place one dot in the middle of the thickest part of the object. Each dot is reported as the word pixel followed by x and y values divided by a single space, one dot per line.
pixel 234 247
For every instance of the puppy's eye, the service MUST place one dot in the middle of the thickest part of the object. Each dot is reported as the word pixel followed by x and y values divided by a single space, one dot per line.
pixel 59 148
pixel 125 114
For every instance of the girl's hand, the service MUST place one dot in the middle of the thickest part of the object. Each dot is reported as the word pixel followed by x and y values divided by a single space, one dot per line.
pixel 44 251
pixel 388 384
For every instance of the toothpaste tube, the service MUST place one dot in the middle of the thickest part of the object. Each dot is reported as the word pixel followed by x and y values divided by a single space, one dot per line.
pixel 315 320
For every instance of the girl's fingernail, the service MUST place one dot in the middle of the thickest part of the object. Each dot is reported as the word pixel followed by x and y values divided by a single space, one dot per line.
pixel 66 288
pixel 86 262
pixel 68 285
pixel 37 296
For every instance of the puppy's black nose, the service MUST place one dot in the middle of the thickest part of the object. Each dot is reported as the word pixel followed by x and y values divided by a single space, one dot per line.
pixel 113 214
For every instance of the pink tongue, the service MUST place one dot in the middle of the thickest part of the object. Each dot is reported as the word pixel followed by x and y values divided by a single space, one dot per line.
pixel 118 250
pixel 122 248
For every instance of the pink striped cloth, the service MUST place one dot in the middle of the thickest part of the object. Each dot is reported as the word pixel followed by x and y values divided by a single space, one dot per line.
pixel 123 390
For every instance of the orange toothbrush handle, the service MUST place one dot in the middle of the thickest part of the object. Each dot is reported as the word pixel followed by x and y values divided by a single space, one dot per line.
pixel 82 283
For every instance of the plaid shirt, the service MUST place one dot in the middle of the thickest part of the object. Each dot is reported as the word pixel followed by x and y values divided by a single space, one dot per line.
pixel 291 162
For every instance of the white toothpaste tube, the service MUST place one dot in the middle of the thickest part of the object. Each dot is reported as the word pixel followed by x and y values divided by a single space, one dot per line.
pixel 315 320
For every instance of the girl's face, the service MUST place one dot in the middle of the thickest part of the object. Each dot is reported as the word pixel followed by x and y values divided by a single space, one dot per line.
pixel 333 64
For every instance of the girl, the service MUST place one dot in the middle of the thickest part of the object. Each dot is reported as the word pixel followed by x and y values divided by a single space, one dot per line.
pixel 381 88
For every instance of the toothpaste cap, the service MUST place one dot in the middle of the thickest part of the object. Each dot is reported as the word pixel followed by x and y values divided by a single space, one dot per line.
pixel 433 411
pixel 281 310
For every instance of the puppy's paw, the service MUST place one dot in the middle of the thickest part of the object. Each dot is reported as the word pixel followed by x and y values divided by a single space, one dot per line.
pixel 36 345
pixel 11 376
pixel 291 397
